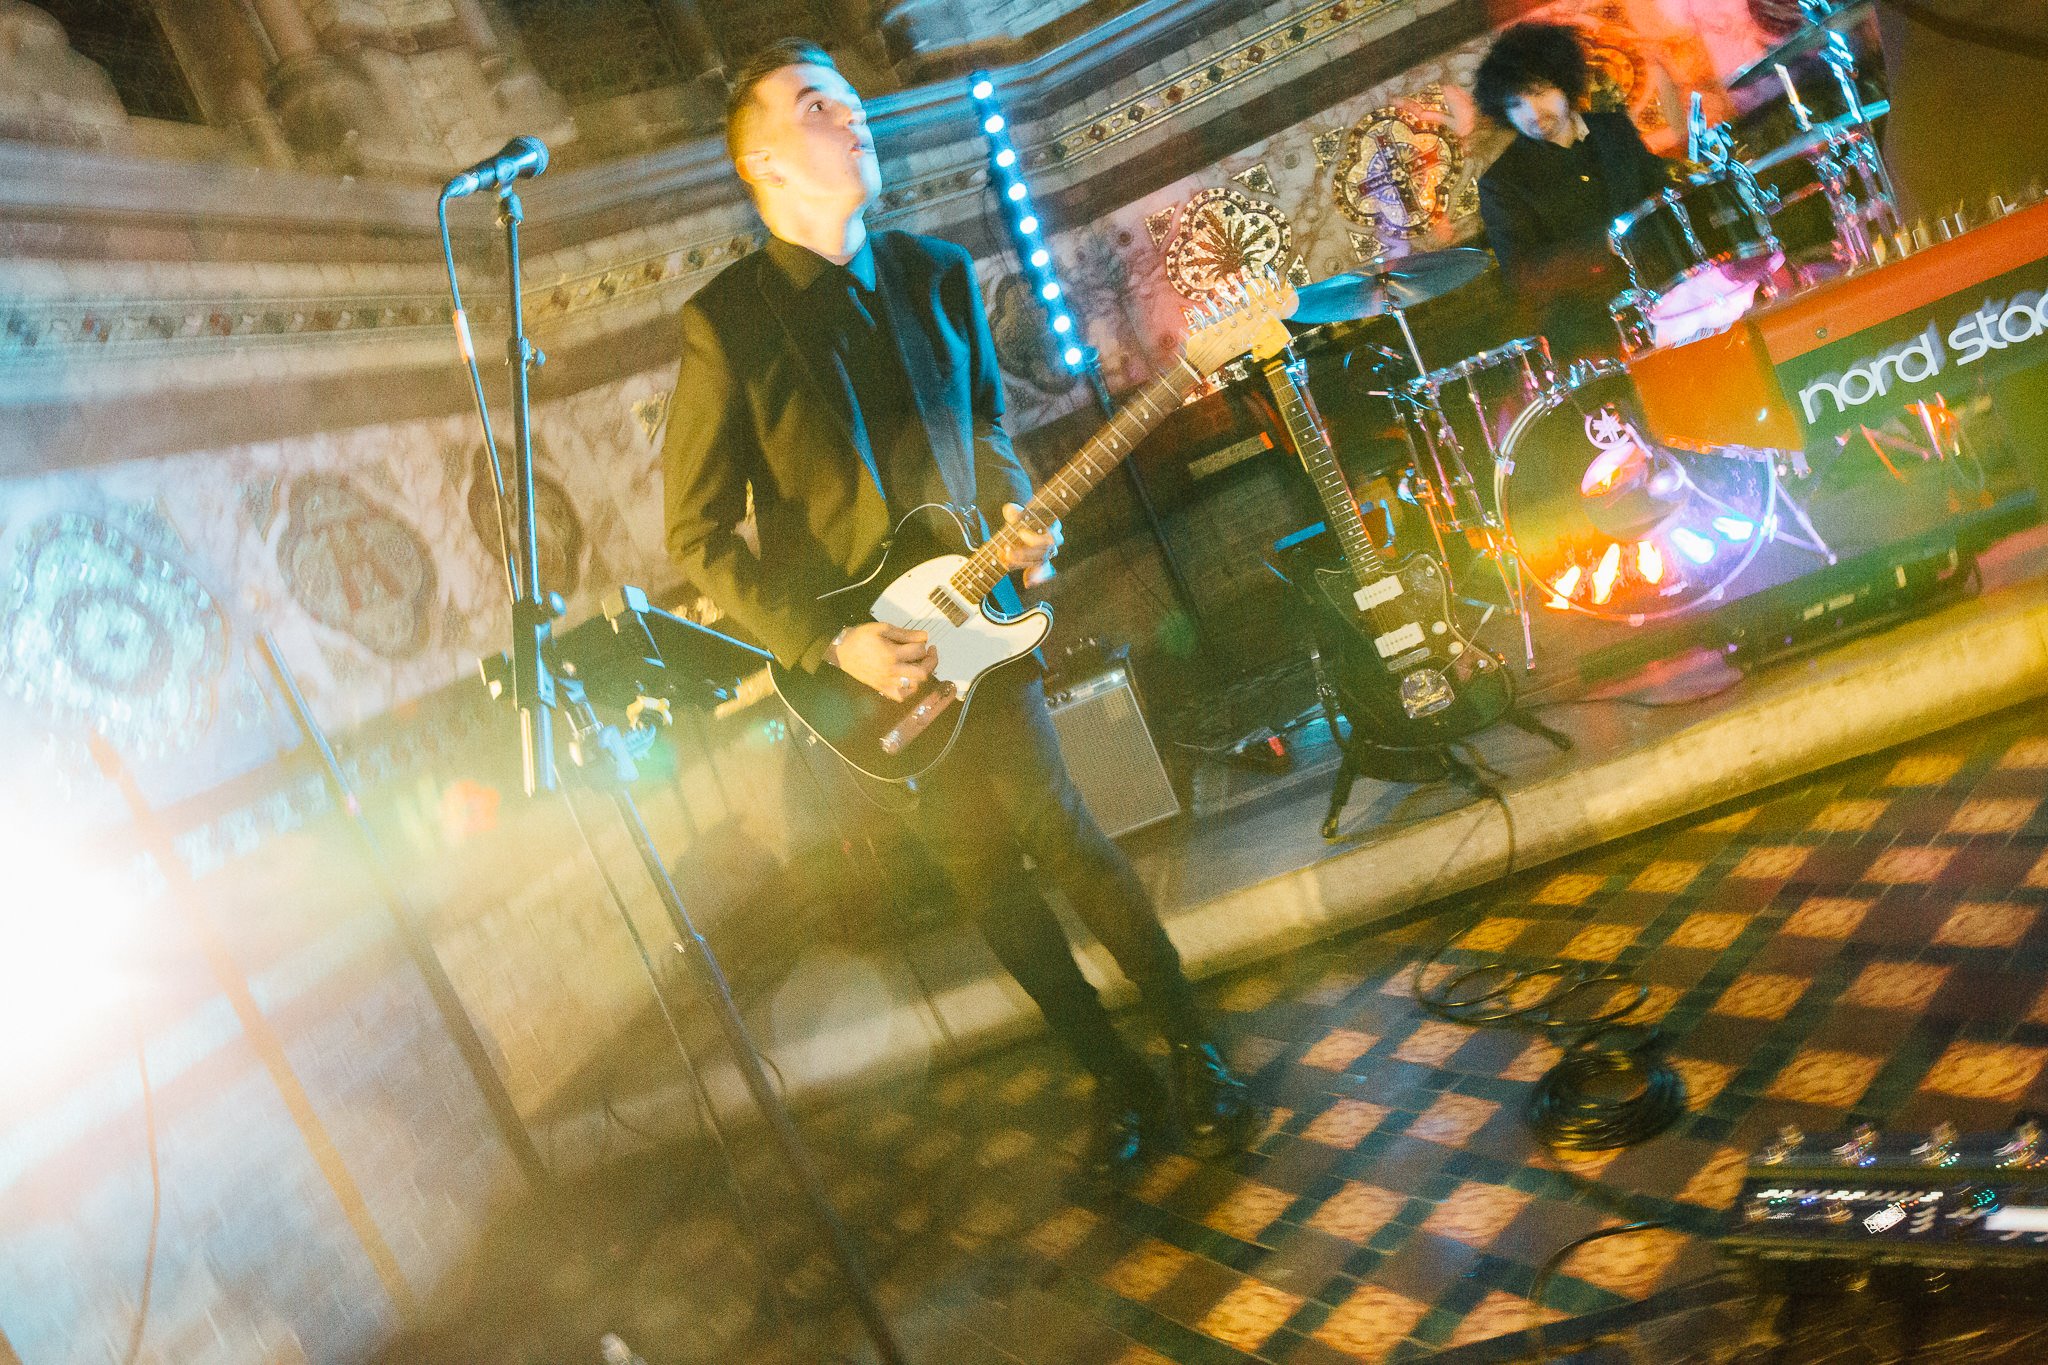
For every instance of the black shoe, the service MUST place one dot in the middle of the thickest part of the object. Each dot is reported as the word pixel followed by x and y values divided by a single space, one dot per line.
pixel 1130 1129
pixel 1216 1110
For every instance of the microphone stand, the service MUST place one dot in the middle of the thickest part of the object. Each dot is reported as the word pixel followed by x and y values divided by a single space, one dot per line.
pixel 533 686
pixel 536 693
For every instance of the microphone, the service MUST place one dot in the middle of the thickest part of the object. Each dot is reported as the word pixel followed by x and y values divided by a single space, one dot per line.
pixel 1696 130
pixel 522 156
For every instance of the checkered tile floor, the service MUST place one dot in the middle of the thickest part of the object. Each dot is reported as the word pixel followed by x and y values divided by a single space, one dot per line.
pixel 1867 944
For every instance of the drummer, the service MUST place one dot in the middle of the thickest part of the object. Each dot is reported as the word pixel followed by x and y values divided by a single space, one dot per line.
pixel 1547 201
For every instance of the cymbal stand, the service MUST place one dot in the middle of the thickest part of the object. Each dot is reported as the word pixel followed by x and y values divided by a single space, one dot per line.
pixel 1852 173
pixel 1455 483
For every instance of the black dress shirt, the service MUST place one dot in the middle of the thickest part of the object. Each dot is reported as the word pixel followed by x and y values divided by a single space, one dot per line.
pixel 852 343
pixel 1547 210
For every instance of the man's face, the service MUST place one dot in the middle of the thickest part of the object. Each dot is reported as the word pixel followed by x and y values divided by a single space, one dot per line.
pixel 811 140
pixel 1541 112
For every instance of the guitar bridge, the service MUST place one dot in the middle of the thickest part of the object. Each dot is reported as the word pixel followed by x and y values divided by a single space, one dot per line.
pixel 1425 692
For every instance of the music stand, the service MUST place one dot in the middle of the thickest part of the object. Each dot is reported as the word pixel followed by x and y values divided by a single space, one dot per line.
pixel 634 653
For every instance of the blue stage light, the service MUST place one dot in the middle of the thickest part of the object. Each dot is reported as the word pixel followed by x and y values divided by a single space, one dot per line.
pixel 1024 225
pixel 1693 545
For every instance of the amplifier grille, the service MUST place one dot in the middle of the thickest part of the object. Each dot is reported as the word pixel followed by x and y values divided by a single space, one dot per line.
pixel 1110 752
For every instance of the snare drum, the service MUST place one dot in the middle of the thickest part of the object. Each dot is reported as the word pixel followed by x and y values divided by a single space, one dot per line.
pixel 1712 222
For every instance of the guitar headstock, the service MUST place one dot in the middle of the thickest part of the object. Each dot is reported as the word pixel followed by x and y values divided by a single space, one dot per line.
pixel 1246 315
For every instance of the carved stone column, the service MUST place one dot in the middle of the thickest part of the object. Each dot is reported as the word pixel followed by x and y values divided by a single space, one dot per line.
pixel 699 45
pixel 330 114
pixel 515 84
pixel 48 93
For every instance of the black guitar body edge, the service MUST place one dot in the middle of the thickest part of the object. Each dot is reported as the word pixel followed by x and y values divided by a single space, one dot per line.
pixel 855 721
pixel 1370 689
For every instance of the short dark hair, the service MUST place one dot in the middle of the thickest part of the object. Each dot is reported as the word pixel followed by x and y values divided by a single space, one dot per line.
pixel 740 105
pixel 1528 55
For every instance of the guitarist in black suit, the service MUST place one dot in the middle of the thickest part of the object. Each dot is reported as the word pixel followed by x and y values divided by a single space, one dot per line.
pixel 843 377
pixel 1547 201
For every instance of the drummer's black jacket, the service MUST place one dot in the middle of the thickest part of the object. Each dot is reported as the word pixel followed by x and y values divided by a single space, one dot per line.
pixel 1547 209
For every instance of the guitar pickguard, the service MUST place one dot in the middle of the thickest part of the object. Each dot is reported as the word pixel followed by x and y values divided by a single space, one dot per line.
pixel 1406 666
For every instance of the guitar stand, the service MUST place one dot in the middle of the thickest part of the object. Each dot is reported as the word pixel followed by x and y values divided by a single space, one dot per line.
pixel 1454 764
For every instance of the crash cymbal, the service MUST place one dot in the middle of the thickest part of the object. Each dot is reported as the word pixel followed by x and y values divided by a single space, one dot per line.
pixel 1387 283
pixel 1803 43
pixel 1819 136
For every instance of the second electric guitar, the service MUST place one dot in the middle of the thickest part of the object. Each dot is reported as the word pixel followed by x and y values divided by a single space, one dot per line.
pixel 925 583
pixel 1402 660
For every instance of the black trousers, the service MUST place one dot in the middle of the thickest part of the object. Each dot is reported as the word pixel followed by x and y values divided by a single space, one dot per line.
pixel 1004 793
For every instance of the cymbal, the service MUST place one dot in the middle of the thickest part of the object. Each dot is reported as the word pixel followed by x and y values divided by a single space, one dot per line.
pixel 1387 283
pixel 1802 43
pixel 1820 135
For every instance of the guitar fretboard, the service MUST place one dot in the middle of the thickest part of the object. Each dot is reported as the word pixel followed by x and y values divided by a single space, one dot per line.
pixel 1340 506
pixel 1059 494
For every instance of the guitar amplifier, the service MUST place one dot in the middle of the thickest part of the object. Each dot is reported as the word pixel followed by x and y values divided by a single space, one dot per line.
pixel 1109 748
pixel 1811 1209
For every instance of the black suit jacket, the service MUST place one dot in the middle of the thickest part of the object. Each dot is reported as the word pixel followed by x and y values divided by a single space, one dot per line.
pixel 749 411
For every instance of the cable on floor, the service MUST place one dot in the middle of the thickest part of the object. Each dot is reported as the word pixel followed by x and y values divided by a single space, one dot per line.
pixel 1550 1267
pixel 1612 1087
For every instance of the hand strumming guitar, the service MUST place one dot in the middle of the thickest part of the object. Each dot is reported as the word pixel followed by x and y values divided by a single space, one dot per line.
pixel 893 661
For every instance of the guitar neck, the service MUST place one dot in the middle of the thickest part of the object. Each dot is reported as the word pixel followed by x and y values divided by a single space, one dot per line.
pixel 1059 494
pixel 1340 507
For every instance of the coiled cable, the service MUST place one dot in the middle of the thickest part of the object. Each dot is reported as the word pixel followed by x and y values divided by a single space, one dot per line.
pixel 1612 1087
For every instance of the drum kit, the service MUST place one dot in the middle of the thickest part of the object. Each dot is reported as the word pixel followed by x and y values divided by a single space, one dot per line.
pixel 1558 482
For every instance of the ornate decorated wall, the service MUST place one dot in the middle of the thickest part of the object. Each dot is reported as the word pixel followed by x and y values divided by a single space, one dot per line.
pixel 229 411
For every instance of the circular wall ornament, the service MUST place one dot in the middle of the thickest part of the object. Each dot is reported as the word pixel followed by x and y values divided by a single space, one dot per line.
pixel 103 632
pixel 1397 175
pixel 357 568
pixel 1222 232
pixel 557 527
pixel 1614 56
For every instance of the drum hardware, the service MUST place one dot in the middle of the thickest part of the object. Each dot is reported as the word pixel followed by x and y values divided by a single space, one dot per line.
pixel 1845 157
pixel 1823 21
pixel 1440 482
pixel 1497 384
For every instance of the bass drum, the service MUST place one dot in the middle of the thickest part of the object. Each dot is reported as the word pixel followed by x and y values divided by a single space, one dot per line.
pixel 1610 524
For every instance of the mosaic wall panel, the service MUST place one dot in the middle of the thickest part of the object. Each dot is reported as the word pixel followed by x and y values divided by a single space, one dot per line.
pixel 1389 170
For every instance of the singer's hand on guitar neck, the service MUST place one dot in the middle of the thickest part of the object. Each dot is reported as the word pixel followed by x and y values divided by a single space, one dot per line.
pixel 893 661
pixel 1030 552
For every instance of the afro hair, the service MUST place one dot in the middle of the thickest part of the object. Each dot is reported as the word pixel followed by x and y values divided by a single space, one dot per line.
pixel 1528 55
